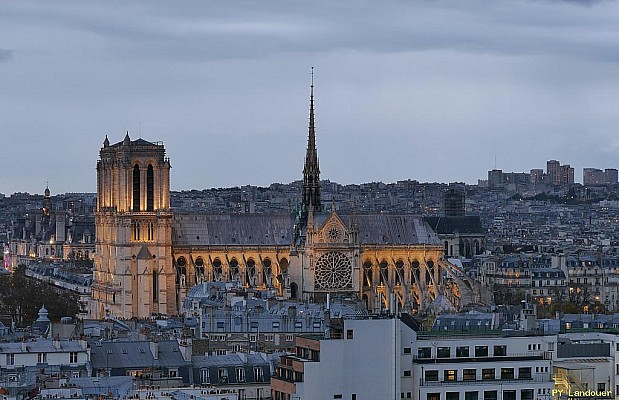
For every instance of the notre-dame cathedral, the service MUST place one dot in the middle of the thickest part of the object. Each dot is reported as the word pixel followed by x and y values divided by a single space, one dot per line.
pixel 148 256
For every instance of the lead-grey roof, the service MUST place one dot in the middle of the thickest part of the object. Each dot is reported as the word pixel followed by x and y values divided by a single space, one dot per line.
pixel 394 229
pixel 119 386
pixel 276 229
pixel 41 346
pixel 232 229
pixel 228 360
pixel 135 354
pixel 137 142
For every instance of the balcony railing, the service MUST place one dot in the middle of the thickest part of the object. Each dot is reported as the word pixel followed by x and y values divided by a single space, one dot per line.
pixel 532 355
pixel 537 378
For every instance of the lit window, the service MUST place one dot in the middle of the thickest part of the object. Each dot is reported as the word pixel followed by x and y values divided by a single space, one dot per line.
pixel 451 375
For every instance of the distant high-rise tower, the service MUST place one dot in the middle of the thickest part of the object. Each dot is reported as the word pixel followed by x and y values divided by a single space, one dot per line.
pixel 133 274
pixel 559 174
pixel 495 177
pixel 311 170
pixel 611 175
pixel 553 171
pixel 592 176
pixel 536 176
pixel 567 175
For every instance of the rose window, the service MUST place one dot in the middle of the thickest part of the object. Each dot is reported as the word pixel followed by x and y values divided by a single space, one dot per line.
pixel 334 271
pixel 334 234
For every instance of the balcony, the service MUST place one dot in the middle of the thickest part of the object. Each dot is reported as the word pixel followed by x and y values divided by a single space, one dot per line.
pixel 537 378
pixel 530 356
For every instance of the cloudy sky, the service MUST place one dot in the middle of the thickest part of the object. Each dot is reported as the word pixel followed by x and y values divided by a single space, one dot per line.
pixel 427 90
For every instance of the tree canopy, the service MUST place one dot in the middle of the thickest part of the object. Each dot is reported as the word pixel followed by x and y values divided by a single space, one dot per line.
pixel 22 297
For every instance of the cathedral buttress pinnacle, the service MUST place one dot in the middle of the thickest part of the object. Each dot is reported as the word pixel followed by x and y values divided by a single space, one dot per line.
pixel 311 171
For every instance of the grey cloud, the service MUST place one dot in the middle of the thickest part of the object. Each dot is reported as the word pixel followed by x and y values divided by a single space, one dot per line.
pixel 5 54
pixel 581 2
pixel 198 31
pixel 230 78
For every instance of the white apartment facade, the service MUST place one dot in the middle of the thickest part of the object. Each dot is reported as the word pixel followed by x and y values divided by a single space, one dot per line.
pixel 483 367
pixel 386 359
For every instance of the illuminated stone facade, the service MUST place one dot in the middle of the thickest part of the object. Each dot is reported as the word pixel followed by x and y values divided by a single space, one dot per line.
pixel 149 257
pixel 133 274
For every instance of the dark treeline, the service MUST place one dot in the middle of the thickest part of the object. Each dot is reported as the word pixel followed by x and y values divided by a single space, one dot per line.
pixel 22 297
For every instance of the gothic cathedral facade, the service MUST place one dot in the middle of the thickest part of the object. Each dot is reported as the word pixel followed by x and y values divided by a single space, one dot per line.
pixel 133 274
pixel 148 257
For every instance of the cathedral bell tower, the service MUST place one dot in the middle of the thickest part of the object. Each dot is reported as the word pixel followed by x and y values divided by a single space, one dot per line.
pixel 133 274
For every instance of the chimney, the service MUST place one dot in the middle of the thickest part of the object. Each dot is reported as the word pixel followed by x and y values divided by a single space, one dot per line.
pixel 154 349
pixel 56 342
pixel 186 348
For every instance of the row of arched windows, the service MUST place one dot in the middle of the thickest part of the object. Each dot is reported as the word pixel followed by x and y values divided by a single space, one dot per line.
pixel 383 273
pixel 233 264
pixel 253 275
pixel 137 188
pixel 142 232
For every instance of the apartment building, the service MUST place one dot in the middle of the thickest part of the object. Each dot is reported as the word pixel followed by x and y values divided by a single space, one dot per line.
pixel 482 366
pixel 387 358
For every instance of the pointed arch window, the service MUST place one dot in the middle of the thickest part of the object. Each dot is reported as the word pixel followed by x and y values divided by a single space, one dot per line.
pixel 136 231
pixel 151 231
pixel 234 268
pixel 399 272
pixel 155 286
pixel 136 188
pixel 367 273
pixel 150 188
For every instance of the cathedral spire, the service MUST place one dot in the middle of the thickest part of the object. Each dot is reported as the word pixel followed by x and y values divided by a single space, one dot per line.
pixel 311 170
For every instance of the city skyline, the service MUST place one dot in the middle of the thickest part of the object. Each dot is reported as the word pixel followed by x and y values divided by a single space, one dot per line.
pixel 432 91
